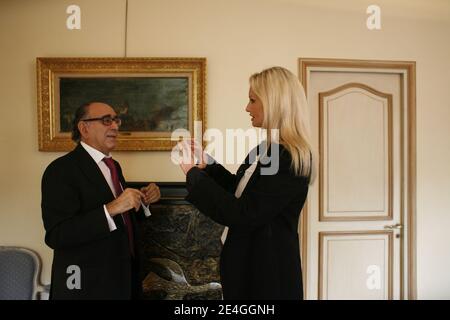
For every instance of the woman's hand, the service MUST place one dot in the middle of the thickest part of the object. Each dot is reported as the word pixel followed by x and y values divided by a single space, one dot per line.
pixel 192 155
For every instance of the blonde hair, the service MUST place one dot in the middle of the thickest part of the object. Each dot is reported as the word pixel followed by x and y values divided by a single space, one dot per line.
pixel 286 109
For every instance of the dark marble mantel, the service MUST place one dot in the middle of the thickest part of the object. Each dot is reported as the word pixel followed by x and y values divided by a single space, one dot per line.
pixel 180 248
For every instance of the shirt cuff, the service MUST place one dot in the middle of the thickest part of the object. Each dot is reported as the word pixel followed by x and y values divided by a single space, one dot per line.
pixel 111 224
pixel 210 160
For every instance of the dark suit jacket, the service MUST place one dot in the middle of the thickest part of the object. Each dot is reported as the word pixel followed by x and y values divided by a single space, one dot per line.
pixel 260 258
pixel 74 191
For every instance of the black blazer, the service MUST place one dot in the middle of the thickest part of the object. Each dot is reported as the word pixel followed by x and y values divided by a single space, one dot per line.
pixel 260 258
pixel 74 191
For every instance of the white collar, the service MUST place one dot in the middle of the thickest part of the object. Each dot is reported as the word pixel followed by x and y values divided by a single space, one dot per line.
pixel 94 153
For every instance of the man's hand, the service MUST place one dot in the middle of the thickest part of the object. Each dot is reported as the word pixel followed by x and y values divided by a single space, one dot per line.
pixel 129 198
pixel 151 194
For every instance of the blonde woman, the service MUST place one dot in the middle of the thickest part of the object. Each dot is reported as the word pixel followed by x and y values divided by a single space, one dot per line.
pixel 260 258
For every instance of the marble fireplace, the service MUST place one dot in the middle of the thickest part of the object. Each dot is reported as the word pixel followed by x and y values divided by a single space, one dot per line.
pixel 180 249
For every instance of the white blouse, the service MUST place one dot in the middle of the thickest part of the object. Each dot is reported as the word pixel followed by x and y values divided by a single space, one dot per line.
pixel 240 188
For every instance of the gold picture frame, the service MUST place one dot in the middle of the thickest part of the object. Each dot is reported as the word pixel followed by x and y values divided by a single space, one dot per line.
pixel 163 94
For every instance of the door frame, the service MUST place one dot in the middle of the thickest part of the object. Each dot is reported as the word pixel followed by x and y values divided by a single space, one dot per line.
pixel 407 72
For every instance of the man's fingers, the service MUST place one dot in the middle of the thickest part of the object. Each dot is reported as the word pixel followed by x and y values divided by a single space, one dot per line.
pixel 131 190
pixel 150 193
pixel 137 201
pixel 150 189
pixel 137 193
pixel 134 197
pixel 151 186
pixel 137 205
pixel 153 196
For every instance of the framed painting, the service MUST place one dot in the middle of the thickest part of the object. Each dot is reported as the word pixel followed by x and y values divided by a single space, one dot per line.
pixel 152 96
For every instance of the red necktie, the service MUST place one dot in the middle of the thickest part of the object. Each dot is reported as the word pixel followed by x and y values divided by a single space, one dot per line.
pixel 126 218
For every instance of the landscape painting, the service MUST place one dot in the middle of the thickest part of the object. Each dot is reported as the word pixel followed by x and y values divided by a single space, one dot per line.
pixel 153 96
pixel 145 104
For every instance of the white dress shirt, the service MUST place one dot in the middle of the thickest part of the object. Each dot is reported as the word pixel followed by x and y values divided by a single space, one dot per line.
pixel 98 158
pixel 240 188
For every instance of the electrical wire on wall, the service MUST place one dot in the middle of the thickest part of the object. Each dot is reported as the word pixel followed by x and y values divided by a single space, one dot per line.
pixel 126 26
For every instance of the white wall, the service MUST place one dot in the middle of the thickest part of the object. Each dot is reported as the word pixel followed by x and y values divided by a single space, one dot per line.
pixel 238 37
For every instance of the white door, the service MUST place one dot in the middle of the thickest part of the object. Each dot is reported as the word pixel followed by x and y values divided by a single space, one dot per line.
pixel 357 227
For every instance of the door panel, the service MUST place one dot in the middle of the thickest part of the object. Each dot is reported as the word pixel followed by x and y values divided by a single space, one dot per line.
pixel 355 265
pixel 356 224
pixel 355 117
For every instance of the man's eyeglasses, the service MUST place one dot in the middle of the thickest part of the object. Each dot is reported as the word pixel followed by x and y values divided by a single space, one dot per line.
pixel 106 120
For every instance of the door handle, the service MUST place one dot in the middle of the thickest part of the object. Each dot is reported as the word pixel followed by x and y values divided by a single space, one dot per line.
pixel 397 226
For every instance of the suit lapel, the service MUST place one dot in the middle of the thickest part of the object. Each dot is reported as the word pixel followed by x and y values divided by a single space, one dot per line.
pixel 241 171
pixel 253 178
pixel 121 177
pixel 92 171
pixel 261 150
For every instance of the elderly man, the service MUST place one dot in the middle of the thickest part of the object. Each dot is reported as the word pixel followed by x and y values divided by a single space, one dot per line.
pixel 90 215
